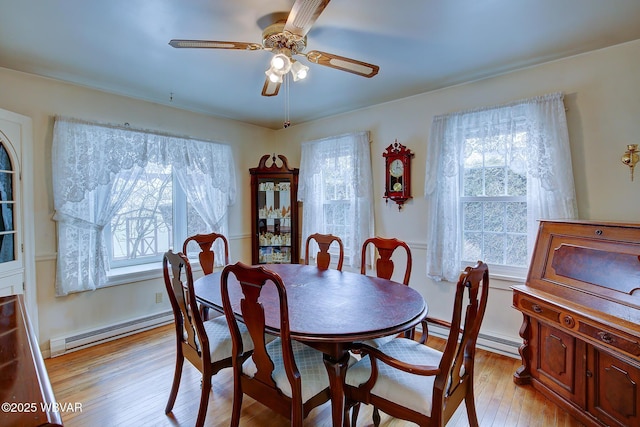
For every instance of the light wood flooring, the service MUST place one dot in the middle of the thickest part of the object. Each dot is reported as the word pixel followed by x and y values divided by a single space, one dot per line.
pixel 126 383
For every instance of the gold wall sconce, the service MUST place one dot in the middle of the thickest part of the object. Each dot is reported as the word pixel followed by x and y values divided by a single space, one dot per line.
pixel 631 157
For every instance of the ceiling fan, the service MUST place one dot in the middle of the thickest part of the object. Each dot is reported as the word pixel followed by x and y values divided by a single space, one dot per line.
pixel 286 39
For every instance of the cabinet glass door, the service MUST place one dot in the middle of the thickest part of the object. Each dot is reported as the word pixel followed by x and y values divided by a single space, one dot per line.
pixel 274 220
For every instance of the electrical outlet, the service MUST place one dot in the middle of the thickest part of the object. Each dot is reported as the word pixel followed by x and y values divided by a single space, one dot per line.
pixel 158 297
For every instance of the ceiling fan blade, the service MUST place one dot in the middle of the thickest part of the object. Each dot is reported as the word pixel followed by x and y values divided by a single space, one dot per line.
pixel 303 15
pixel 270 88
pixel 212 44
pixel 341 63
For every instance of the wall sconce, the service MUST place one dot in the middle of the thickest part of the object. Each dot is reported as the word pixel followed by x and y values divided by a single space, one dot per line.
pixel 631 157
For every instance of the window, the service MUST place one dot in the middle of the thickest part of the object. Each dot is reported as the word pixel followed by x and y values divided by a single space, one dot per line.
pixel 123 197
pixel 338 192
pixel 335 186
pixel 491 174
pixel 155 215
pixel 493 200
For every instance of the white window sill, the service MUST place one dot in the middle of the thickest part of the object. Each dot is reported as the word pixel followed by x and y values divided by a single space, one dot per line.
pixel 139 273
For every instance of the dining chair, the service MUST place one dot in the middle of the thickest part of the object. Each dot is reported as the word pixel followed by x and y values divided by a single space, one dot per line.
pixel 323 257
pixel 284 375
pixel 206 345
pixel 207 256
pixel 409 380
pixel 384 268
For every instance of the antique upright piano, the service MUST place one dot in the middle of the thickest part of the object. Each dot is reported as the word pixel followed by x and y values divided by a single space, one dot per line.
pixel 581 328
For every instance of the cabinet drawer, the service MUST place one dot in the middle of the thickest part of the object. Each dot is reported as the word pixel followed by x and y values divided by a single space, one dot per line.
pixel 611 339
pixel 538 309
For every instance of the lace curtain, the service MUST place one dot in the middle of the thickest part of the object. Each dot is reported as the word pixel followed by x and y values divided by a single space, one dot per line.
pixel 546 161
pixel 88 159
pixel 340 162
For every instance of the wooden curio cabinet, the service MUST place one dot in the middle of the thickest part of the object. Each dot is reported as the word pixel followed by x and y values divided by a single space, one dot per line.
pixel 274 212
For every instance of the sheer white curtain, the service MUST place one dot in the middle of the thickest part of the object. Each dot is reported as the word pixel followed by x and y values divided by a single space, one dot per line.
pixel 546 162
pixel 344 161
pixel 87 160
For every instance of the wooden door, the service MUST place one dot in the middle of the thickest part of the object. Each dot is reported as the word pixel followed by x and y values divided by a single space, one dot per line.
pixel 558 361
pixel 613 388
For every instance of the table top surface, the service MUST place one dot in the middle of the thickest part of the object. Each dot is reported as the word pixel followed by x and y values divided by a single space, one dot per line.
pixel 328 305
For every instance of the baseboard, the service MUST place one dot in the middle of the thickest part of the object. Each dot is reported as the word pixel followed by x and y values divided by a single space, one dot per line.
pixel 63 345
pixel 491 343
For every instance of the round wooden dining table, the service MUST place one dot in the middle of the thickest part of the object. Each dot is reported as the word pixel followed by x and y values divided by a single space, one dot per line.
pixel 329 310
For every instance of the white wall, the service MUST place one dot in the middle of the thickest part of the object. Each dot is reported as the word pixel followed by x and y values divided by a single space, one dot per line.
pixel 602 93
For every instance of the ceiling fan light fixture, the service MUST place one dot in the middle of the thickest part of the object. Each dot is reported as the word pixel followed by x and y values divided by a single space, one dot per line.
pixel 281 63
pixel 274 76
pixel 299 70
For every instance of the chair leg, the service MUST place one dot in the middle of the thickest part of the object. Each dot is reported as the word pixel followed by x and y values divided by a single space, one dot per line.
pixel 237 403
pixel 204 313
pixel 354 414
pixel 176 383
pixel 376 417
pixel 204 400
pixel 471 408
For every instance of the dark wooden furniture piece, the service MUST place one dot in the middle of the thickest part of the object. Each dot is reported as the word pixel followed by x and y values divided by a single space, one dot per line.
pixel 444 379
pixel 274 212
pixel 323 257
pixel 581 328
pixel 25 391
pixel 284 375
pixel 207 345
pixel 384 268
pixel 207 256
pixel 384 264
pixel 329 310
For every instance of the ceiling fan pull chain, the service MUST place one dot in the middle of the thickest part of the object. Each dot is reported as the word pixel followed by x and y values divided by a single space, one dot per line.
pixel 287 121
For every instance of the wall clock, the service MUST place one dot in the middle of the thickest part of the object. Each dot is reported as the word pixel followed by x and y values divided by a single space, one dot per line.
pixel 397 173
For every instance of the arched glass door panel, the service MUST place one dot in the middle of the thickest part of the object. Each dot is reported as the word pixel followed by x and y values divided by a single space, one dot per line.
pixel 7 203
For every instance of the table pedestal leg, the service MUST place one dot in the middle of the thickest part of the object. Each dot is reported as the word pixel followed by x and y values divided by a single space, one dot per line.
pixel 336 370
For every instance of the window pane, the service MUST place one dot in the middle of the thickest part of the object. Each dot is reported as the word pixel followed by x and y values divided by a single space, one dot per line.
pixel 516 217
pixel 494 181
pixel 195 223
pixel 516 250
pixel 473 182
pixel 143 227
pixel 494 248
pixel 494 216
pixel 472 246
pixel 517 183
pixel 472 212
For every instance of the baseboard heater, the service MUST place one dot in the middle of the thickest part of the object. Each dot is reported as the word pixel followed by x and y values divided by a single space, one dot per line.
pixel 491 343
pixel 60 346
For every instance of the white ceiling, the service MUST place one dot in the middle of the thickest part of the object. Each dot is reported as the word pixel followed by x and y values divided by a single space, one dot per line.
pixel 121 46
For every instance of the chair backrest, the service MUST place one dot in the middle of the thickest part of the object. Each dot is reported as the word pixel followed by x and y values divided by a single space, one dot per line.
pixel 323 258
pixel 457 363
pixel 207 256
pixel 252 281
pixel 384 264
pixel 190 331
